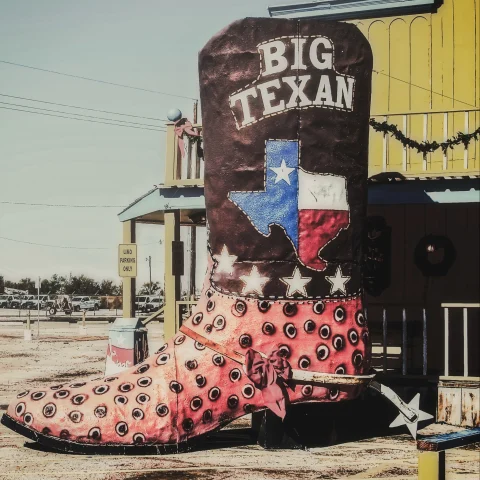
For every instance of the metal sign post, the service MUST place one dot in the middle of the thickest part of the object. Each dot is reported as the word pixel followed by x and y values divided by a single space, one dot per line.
pixel 38 307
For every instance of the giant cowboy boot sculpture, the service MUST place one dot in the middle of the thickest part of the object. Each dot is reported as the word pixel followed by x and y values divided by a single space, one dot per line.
pixel 280 321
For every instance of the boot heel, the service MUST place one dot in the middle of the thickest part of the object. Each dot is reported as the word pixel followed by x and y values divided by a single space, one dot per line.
pixel 273 433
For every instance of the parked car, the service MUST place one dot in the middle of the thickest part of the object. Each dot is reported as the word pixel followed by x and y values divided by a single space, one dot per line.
pixel 85 303
pixel 6 301
pixel 45 302
pixel 17 301
pixel 153 305
pixel 141 302
pixel 27 301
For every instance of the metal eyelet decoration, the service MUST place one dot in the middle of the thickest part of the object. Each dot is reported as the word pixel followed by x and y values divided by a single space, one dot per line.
pixel 178 341
pixel 208 328
pixel 163 358
pixel 303 362
pixel 77 385
pixel 248 408
pixel 235 375
pixel 245 340
pixel 137 414
pixel 290 309
pixel 142 398
pixel 95 433
pixel 191 364
pixel 23 394
pixel 232 402
pixel 264 306
pixel 339 314
pixel 360 318
pixel 162 348
pixel 340 370
pixel 268 328
pixel 309 326
pixel 196 403
pixel 318 308
pixel 110 379
pixel 353 336
pixel 199 346
pixel 365 336
pixel 214 394
pixel 324 332
pixel 79 399
pixel 333 393
pixel 209 293
pixel 323 352
pixel 37 395
pixel 20 409
pixel 290 330
pixel 307 390
pixel 219 322
pixel 188 424
pixel 138 438
pixel 144 382
pixel 49 410
pixel 120 400
pixel 75 416
pixel 162 410
pixel 28 418
pixel 284 351
pixel 121 428
pixel 207 416
pixel 175 386
pixel 55 387
pixel 218 360
pixel 338 342
pixel 46 431
pixel 64 434
pixel 100 411
pixel 61 394
pixel 248 391
pixel 200 380
pixel 357 358
pixel 101 389
pixel 142 368
pixel 197 318
pixel 239 308
pixel 126 387
pixel 210 306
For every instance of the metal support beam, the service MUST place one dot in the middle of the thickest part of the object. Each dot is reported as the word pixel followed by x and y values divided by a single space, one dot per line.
pixel 129 284
pixel 193 259
pixel 431 465
pixel 172 282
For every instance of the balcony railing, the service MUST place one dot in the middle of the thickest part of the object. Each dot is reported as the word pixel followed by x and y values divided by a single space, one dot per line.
pixel 388 155
pixel 184 164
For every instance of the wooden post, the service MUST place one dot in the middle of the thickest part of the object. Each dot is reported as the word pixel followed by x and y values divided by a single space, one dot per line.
pixel 129 284
pixel 171 159
pixel 172 282
pixel 431 465
pixel 193 258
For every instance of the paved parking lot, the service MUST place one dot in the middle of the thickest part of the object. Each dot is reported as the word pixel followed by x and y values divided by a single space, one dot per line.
pixel 60 353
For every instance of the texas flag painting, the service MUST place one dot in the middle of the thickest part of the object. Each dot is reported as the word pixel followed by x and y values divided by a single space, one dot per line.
pixel 312 208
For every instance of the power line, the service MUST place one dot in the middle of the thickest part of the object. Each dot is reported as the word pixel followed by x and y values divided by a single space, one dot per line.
pixel 81 115
pixel 60 205
pixel 82 108
pixel 98 81
pixel 424 88
pixel 82 119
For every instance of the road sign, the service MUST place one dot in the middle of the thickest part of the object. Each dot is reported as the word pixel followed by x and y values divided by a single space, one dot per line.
pixel 127 260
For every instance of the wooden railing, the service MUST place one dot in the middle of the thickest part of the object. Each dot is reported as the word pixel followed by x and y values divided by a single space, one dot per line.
pixel 184 309
pixel 388 155
pixel 183 165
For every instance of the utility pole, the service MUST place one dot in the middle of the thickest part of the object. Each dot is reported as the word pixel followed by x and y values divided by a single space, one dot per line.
pixel 149 260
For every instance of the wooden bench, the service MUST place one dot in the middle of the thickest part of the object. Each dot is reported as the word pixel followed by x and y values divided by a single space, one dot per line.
pixel 431 451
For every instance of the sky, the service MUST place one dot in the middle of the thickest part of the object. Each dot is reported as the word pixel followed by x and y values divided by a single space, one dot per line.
pixel 152 44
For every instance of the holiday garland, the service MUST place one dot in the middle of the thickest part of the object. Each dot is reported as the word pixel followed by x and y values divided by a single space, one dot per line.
pixel 426 146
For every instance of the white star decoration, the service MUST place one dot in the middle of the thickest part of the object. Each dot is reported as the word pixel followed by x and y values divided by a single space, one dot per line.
pixel 282 172
pixel 296 283
pixel 120 339
pixel 412 426
pixel 225 261
pixel 338 281
pixel 254 282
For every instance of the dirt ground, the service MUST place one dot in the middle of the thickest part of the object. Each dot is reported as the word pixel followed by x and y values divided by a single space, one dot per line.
pixel 60 353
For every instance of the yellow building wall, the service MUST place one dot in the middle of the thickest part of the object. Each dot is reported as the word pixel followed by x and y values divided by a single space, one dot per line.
pixel 426 80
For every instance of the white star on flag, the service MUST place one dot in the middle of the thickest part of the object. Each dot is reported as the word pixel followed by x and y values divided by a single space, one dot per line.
pixel 282 172
pixel 254 282
pixel 296 283
pixel 338 281
pixel 225 261
pixel 120 339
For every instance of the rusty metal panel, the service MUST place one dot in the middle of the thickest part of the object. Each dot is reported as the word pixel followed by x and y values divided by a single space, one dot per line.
pixel 470 407
pixel 449 405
